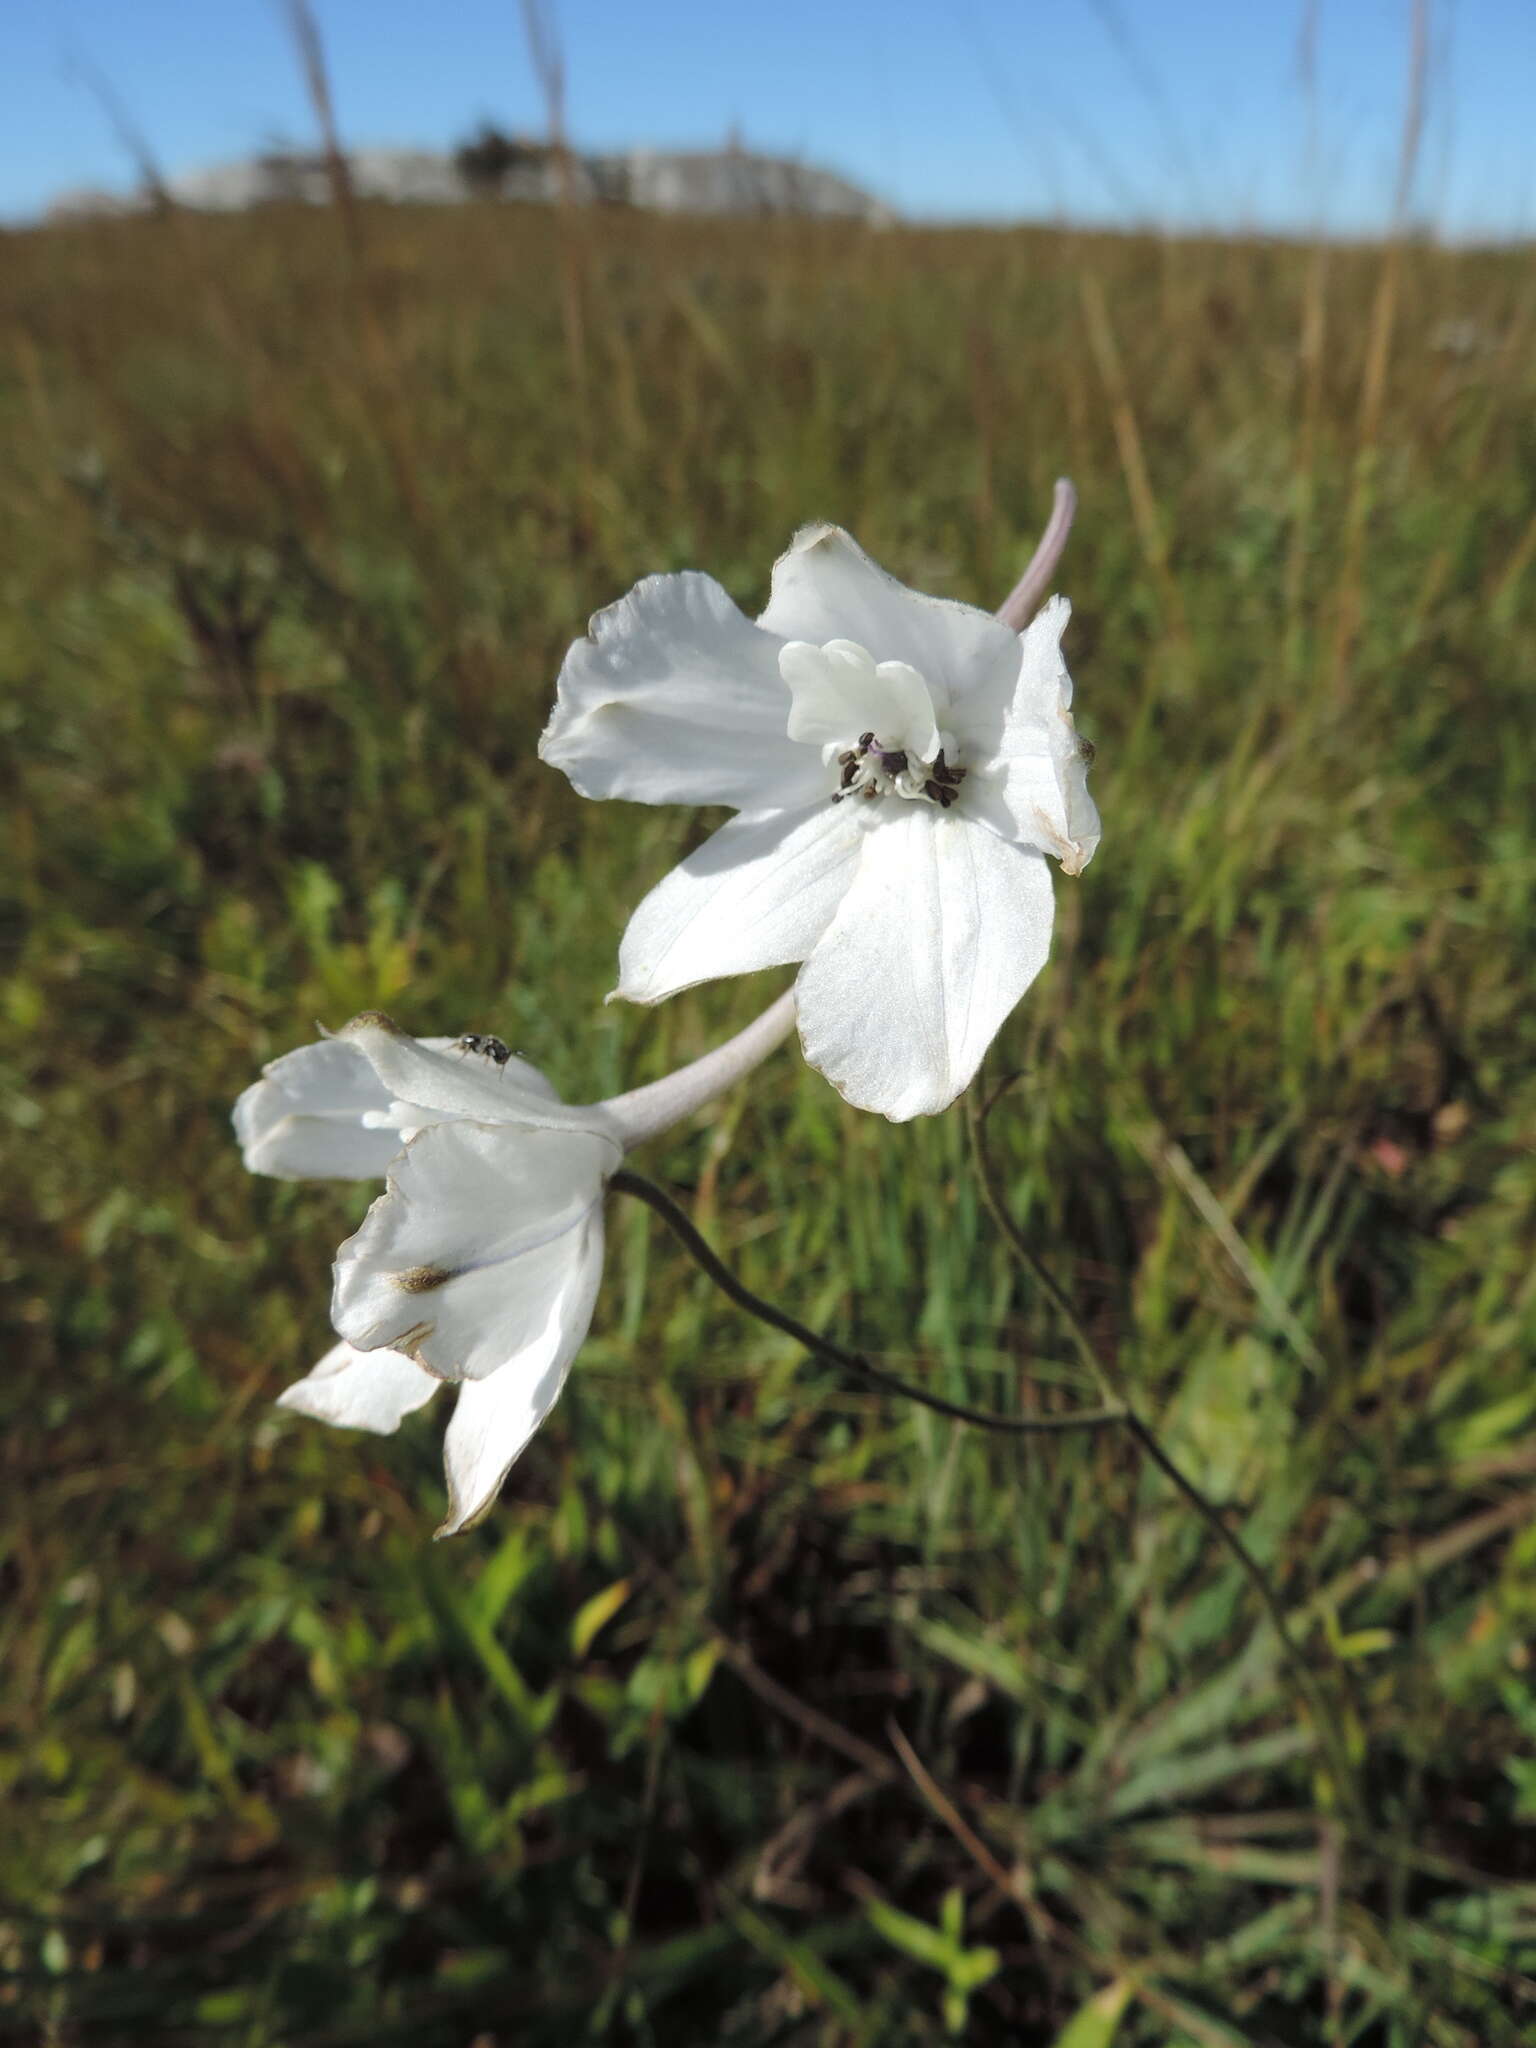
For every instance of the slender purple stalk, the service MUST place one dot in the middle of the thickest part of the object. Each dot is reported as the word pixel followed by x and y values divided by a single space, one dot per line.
pixel 646 1112
pixel 1023 601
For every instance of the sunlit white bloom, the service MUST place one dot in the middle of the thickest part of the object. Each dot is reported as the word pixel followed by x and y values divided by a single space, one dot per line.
pixel 480 1264
pixel 901 765
pixel 322 1113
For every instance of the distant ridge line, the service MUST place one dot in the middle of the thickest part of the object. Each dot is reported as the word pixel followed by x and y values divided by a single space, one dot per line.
pixel 731 181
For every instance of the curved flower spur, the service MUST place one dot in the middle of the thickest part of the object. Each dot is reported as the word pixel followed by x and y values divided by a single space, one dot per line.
pixel 480 1263
pixel 900 766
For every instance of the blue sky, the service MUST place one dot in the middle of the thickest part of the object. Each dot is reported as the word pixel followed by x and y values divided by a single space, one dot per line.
pixel 1174 111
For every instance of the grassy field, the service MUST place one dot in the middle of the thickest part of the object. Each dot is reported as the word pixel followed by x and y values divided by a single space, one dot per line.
pixel 764 1709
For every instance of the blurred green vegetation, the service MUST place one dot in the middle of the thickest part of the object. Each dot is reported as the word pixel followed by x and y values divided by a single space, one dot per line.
pixel 763 1710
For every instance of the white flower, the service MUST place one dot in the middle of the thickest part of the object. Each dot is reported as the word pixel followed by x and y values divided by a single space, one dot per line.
pixel 480 1263
pixel 900 765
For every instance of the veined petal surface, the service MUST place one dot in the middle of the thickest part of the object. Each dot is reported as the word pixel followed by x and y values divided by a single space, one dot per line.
pixel 675 697
pixel 493 1418
pixel 303 1120
pixel 361 1390
pixel 826 588
pixel 467 1257
pixel 839 691
pixel 943 929
pixel 447 1083
pixel 1030 784
pixel 759 893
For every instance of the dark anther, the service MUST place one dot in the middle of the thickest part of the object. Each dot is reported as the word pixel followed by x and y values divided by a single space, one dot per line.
pixel 866 739
pixel 850 769
pixel 870 790
pixel 935 791
pixel 942 772
pixel 893 764
pixel 844 759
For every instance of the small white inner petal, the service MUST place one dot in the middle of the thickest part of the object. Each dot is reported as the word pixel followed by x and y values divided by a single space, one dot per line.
pixel 905 717
pixel 838 691
pixel 878 722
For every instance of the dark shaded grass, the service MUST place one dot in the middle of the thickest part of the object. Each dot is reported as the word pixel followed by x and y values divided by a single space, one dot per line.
pixel 291 541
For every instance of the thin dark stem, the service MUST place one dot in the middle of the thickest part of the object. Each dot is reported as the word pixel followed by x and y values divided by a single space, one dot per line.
pixel 681 1225
pixel 1116 1388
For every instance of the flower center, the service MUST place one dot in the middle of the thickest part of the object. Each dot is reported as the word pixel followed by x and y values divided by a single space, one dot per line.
pixel 838 688
pixel 872 769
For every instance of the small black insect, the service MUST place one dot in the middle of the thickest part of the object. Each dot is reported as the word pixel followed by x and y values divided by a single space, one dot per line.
pixel 479 1041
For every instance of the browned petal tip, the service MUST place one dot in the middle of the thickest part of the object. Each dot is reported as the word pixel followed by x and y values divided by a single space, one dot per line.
pixel 372 1020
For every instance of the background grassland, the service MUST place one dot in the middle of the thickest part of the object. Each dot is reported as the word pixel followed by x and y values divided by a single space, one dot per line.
pixel 763 1710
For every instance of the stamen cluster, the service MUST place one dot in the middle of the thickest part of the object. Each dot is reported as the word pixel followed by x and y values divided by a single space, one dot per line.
pixel 871 770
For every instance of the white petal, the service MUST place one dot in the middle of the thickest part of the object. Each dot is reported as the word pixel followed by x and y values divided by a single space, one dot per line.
pixel 839 693
pixel 1029 781
pixel 449 1084
pixel 832 690
pixel 944 928
pixel 361 1390
pixel 323 1113
pixel 907 708
pixel 676 697
pixel 303 1120
pixel 759 893
pixel 494 1418
pixel 466 1258
pixel 826 588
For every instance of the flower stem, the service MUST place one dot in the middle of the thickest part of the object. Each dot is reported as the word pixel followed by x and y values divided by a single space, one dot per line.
pixel 699 1249
pixel 1117 1389
pixel 646 1112
pixel 1023 601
